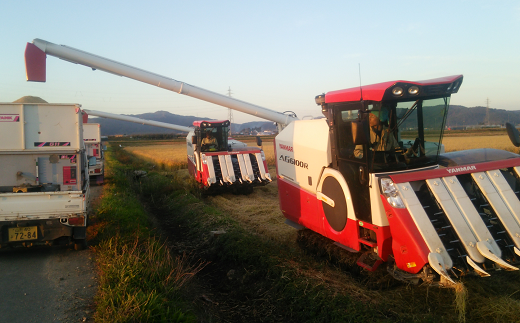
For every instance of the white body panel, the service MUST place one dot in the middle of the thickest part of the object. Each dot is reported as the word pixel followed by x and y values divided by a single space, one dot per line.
pixel 42 126
pixel 302 150
pixel 190 149
pixel 41 205
pixel 92 133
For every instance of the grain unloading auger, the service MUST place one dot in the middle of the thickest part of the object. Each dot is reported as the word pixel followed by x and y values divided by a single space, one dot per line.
pixel 226 163
pixel 373 176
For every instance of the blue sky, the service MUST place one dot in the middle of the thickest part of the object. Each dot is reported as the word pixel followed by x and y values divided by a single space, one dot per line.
pixel 277 54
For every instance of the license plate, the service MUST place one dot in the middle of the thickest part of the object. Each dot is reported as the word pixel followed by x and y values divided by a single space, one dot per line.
pixel 24 233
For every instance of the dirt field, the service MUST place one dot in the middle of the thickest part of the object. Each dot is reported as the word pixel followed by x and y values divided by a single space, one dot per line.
pixel 453 143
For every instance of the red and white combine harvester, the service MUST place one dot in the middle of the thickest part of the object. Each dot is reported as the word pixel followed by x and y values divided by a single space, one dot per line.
pixel 216 161
pixel 373 176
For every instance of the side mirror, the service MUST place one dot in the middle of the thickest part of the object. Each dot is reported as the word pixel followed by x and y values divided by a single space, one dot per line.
pixel 104 147
pixel 194 140
pixel 513 134
pixel 258 141
pixel 360 132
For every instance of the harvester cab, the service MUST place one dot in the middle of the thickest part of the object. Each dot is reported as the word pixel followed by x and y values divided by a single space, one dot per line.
pixel 218 161
pixel 392 190
pixel 211 135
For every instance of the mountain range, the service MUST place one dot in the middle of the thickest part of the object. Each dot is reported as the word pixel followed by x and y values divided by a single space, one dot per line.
pixel 110 127
pixel 458 116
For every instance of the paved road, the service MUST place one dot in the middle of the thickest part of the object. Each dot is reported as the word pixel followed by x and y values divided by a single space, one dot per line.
pixel 47 284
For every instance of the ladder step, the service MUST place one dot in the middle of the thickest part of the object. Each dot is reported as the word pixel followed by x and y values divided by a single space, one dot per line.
pixel 369 243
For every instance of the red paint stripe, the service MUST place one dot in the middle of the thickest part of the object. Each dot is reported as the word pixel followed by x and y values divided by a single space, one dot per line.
pixel 455 170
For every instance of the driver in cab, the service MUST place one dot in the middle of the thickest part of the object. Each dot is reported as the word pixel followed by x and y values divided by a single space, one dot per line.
pixel 380 137
pixel 209 142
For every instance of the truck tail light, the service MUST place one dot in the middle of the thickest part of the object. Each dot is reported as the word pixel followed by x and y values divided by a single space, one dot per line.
pixel 79 220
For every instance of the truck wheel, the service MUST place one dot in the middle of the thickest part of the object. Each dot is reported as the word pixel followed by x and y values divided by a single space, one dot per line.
pixel 80 244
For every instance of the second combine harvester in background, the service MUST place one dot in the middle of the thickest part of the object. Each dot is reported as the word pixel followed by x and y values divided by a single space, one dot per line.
pixel 215 161
pixel 401 199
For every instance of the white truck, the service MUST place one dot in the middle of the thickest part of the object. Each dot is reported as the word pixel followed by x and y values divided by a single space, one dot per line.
pixel 44 182
pixel 95 153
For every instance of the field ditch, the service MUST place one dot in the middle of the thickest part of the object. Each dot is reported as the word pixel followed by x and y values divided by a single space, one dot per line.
pixel 261 270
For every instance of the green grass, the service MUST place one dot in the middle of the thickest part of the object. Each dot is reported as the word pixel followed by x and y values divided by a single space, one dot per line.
pixel 139 279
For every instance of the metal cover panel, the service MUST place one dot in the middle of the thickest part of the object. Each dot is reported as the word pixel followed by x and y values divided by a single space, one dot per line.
pixel 223 168
pixel 211 169
pixel 260 165
pixel 249 167
pixel 456 219
pixel 231 172
pixel 423 223
pixel 506 193
pixel 469 212
pixel 498 205
pixel 243 168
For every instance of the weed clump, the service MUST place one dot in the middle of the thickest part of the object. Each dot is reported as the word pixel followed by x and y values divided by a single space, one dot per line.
pixel 140 281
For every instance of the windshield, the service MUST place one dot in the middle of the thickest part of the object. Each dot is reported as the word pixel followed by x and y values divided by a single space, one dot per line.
pixel 401 135
pixel 420 126
pixel 214 138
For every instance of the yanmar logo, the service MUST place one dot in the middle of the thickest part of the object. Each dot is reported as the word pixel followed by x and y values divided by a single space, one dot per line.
pixel 461 169
pixel 293 161
pixel 285 147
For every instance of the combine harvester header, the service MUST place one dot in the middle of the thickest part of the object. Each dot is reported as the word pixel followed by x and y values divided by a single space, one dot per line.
pixel 373 177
